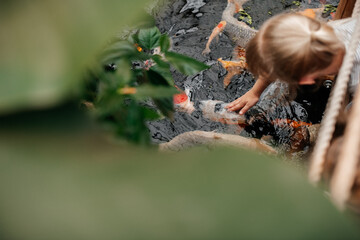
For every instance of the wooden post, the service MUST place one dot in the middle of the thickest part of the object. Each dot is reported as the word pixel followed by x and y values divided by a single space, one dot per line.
pixel 345 9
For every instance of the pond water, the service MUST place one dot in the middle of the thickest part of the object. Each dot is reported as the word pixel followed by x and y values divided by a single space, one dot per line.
pixel 189 24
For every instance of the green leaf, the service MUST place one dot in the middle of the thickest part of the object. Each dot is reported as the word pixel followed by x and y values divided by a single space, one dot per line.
pixel 109 102
pixel 162 68
pixel 164 43
pixel 154 92
pixel 156 78
pixel 184 64
pixel 124 72
pixel 160 62
pixel 41 72
pixel 166 106
pixel 120 50
pixel 150 114
pixel 123 47
pixel 134 127
pixel 149 38
pixel 165 73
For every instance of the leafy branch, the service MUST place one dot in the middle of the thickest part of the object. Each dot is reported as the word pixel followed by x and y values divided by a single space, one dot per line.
pixel 133 71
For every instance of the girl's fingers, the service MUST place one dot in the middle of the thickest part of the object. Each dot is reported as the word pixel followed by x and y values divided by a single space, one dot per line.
pixel 245 109
pixel 233 103
pixel 237 106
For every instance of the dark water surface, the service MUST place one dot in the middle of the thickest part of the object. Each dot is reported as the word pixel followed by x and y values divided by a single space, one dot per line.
pixel 189 24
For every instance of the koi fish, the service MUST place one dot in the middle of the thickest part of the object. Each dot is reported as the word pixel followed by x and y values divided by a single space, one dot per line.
pixel 182 101
pixel 215 33
pixel 216 111
pixel 233 68
pixel 291 123
pixel 241 64
pixel 237 29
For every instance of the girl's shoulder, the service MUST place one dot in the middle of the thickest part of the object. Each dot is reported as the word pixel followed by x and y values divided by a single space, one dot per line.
pixel 343 23
pixel 344 28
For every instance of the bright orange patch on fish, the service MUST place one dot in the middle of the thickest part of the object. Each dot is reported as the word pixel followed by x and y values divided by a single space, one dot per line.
pixel 220 25
pixel 240 52
pixel 292 123
pixel 180 98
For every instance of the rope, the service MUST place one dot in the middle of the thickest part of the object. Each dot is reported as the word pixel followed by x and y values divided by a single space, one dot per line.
pixel 333 108
pixel 346 169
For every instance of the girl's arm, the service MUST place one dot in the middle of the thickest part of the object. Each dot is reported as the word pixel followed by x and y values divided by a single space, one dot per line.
pixel 249 99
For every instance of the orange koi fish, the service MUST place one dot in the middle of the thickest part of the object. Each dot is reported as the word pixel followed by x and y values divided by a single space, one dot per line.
pixel 291 123
pixel 233 68
pixel 215 33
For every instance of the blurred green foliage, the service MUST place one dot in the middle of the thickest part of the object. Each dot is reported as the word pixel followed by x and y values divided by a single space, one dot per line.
pixel 45 46
pixel 81 187
pixel 131 71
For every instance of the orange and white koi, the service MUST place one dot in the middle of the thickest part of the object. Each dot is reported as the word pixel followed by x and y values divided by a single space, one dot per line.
pixel 182 102
pixel 216 111
pixel 215 33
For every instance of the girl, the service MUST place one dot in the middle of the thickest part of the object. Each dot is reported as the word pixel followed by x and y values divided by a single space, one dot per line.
pixel 297 50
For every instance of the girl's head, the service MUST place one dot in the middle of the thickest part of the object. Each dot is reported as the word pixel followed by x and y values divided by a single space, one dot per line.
pixel 295 49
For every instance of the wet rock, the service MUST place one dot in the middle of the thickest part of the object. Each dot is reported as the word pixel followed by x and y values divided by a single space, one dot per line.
pixel 193 5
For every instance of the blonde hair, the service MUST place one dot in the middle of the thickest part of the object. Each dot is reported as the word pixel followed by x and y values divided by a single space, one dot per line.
pixel 290 46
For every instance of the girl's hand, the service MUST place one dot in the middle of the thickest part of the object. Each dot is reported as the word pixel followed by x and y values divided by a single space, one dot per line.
pixel 243 103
